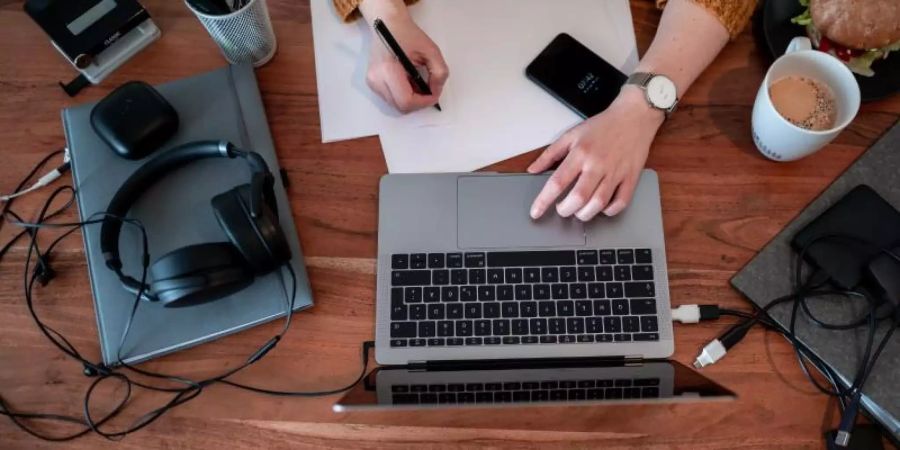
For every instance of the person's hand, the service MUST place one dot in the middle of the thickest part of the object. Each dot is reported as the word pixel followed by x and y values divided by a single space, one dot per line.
pixel 385 74
pixel 603 158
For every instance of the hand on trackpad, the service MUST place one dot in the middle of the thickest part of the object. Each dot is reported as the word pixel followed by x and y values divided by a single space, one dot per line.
pixel 493 213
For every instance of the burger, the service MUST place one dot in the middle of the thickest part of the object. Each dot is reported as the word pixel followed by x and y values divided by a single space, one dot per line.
pixel 858 32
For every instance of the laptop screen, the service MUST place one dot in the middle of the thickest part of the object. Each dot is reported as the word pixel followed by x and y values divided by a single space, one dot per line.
pixel 646 382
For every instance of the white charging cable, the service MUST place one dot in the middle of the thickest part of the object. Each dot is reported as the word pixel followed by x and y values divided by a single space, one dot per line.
pixel 43 181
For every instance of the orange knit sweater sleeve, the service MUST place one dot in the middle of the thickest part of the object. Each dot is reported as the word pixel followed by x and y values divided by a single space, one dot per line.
pixel 734 14
pixel 348 9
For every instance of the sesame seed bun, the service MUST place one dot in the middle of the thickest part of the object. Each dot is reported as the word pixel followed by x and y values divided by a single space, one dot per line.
pixel 858 24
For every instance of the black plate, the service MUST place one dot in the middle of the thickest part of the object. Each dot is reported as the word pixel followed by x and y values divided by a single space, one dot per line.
pixel 778 31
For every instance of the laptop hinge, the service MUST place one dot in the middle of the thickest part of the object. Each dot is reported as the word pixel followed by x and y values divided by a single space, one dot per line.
pixel 476 364
pixel 417 366
pixel 634 360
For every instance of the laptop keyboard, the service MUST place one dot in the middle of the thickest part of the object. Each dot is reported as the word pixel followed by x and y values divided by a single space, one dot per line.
pixel 516 298
pixel 525 391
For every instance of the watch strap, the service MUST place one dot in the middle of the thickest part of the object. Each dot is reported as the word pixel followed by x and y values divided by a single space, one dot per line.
pixel 640 78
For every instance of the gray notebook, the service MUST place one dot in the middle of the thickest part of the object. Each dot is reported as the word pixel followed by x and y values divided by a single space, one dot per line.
pixel 223 104
pixel 768 276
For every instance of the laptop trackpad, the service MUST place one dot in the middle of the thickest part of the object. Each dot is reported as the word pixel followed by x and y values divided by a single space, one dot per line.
pixel 493 213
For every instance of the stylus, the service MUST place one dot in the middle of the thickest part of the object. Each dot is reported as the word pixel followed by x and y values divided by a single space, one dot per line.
pixel 408 66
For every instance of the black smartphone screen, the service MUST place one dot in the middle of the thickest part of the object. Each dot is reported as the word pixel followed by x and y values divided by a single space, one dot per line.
pixel 576 76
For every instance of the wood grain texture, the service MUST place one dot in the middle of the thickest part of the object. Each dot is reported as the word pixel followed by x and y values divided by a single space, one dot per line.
pixel 722 202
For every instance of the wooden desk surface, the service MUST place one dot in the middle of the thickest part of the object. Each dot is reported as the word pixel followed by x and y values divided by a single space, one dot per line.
pixel 722 203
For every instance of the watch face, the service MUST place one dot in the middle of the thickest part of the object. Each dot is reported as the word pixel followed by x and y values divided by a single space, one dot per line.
pixel 661 92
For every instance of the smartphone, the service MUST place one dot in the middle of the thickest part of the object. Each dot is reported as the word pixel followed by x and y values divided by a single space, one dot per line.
pixel 576 76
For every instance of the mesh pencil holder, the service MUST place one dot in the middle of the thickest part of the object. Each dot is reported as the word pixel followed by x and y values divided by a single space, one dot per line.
pixel 245 35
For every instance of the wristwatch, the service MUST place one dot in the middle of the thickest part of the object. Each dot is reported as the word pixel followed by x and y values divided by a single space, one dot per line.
pixel 659 90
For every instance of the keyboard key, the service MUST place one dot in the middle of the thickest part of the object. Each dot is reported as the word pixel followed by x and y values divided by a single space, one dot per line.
pixel 575 325
pixel 520 327
pixel 643 256
pixel 474 387
pixel 622 273
pixel 548 339
pixel 565 308
pixel 587 257
pixel 436 312
pixel 427 329
pixel 446 398
pixel 403 329
pixel 399 388
pixel 432 294
pixel 487 293
pixel 410 278
pixel 454 311
pixel 531 259
pixel 454 342
pixel 482 328
pixel 398 309
pixel 463 328
pixel 547 309
pixel 614 290
pixel 505 292
pixel 578 290
pixel 586 274
pixel 532 275
pixel 474 259
pixel 418 312
pixel 521 396
pixel 625 256
pixel 602 308
pixel 594 325
pixel 412 295
pixel 492 341
pixel 558 395
pixel 607 257
pixel 419 261
pixel 468 294
pixel 596 290
pixel 493 386
pixel 613 393
pixel 456 387
pixel 477 276
pixel 642 273
pixel 523 292
pixel 435 260
pixel 645 382
pixel 560 291
pixel 445 328
pixel 645 337
pixel 528 309
pixel 550 275
pixel 541 291
pixel 585 338
pixel 440 277
pixel 398 343
pixel 649 324
pixel 650 392
pixel 405 399
pixel 603 338
pixel 513 276
pixel 631 324
pixel 612 324
pixel 595 394
pixel 501 327
pixel 620 307
pixel 643 306
pixel 584 308
pixel 577 394
pixel 645 289
pixel 568 274
pixel 459 276
pixel 454 260
pixel 473 311
pixel 400 262
pixel 604 273
pixel 491 310
pixel 567 339
pixel 632 393
pixel 529 339
pixel 450 294
pixel 511 340
pixel 495 276
pixel 538 326
pixel 557 326
pixel 465 397
pixel 622 337
pixel 509 309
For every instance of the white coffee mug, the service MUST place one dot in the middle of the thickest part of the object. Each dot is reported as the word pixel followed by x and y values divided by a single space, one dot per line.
pixel 781 140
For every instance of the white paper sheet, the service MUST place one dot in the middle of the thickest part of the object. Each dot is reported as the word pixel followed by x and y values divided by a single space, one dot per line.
pixel 494 112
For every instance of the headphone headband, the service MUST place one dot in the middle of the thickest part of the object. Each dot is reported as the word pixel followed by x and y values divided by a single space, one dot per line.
pixel 156 169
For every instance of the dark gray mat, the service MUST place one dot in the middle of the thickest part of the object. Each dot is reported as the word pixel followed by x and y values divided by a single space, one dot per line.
pixel 769 276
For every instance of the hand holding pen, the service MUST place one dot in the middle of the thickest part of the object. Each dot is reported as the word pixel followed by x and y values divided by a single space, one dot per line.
pixel 397 81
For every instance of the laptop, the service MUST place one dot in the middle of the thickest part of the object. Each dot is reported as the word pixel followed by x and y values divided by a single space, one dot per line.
pixel 478 304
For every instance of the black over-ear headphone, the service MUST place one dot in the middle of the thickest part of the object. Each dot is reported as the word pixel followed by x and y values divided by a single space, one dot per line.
pixel 201 273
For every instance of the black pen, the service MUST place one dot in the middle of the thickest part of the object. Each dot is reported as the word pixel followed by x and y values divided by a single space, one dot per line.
pixel 411 70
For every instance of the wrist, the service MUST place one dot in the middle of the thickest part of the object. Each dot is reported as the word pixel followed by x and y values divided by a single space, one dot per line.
pixel 390 11
pixel 633 99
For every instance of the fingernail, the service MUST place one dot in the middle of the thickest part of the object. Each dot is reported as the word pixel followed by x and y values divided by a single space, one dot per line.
pixel 614 209
pixel 535 212
pixel 566 207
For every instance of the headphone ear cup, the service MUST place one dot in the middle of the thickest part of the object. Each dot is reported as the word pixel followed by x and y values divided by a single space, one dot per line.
pixel 259 239
pixel 198 274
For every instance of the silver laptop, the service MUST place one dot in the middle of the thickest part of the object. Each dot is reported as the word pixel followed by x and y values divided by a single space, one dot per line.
pixel 465 274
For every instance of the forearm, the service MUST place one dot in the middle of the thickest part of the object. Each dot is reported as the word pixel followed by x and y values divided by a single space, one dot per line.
pixel 688 39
